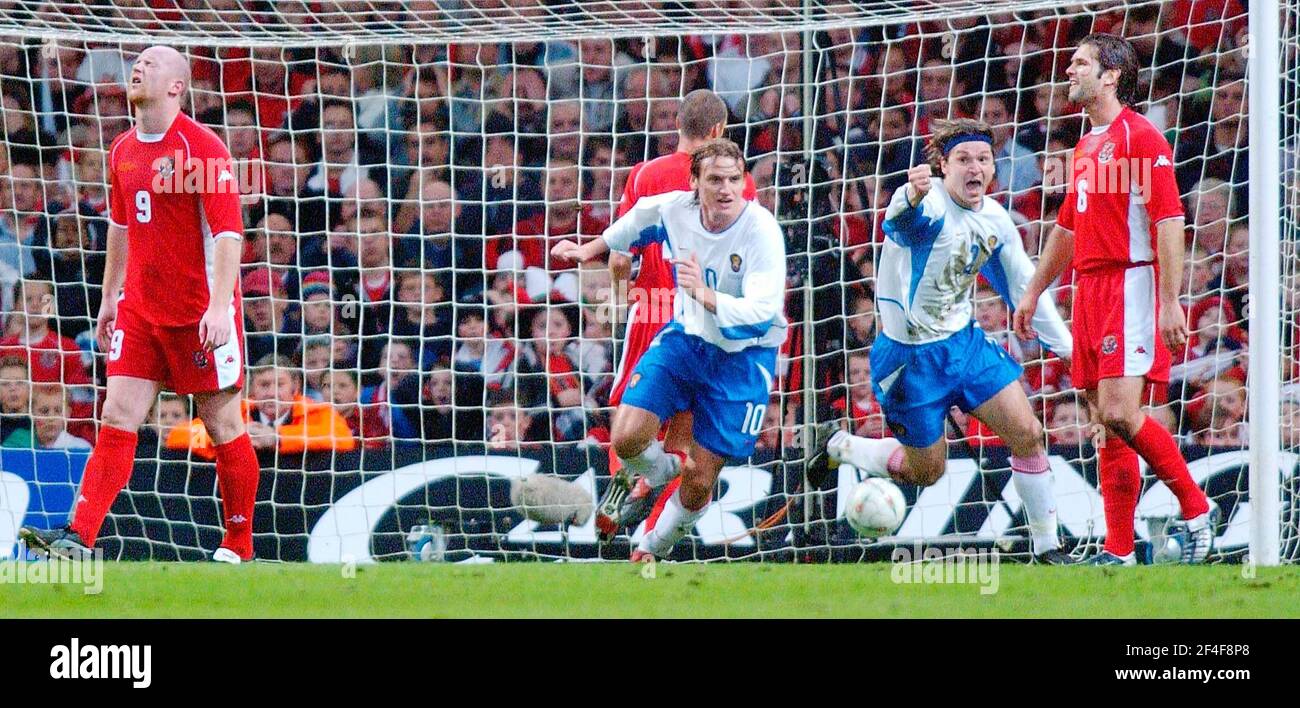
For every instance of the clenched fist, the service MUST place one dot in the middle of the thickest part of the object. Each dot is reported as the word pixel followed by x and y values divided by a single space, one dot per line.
pixel 689 274
pixel 918 183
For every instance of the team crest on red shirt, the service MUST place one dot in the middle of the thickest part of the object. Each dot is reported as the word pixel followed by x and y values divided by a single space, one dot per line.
pixel 166 168
pixel 1107 152
pixel 201 359
pixel 49 360
pixel 1109 345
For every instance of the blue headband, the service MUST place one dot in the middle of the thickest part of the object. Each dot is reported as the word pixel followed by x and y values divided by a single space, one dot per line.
pixel 960 138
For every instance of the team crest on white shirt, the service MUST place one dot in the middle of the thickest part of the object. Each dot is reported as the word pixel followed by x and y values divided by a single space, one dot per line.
pixel 1107 152
pixel 735 263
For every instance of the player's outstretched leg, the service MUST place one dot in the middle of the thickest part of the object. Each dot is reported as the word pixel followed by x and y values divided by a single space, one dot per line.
pixel 877 458
pixel 644 498
pixel 1009 415
pixel 126 403
pixel 640 453
pixel 884 457
pixel 684 507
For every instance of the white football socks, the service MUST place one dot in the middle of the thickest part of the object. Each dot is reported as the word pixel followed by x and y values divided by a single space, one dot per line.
pixel 867 454
pixel 657 466
pixel 1034 485
pixel 674 523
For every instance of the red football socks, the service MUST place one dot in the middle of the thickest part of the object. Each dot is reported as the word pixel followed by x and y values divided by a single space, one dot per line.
pixel 1160 450
pixel 1120 485
pixel 107 472
pixel 237 472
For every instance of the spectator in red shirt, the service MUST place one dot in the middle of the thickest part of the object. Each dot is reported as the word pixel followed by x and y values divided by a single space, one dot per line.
pixel 860 404
pixel 51 357
pixel 564 218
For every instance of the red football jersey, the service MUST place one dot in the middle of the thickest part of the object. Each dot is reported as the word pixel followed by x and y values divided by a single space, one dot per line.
pixel 1122 181
pixel 670 173
pixel 176 195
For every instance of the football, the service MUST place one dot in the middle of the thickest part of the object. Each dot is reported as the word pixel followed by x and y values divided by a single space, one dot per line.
pixel 876 508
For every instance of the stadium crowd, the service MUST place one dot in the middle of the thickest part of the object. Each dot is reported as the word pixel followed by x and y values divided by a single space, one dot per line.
pixel 399 205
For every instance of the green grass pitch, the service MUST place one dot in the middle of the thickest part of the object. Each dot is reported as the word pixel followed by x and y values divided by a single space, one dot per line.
pixel 607 590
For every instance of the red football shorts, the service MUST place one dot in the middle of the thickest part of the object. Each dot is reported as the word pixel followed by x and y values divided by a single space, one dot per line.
pixel 174 356
pixel 1115 334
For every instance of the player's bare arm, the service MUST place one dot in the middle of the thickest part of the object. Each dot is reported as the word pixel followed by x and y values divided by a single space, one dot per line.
pixel 1055 259
pixel 1169 258
pixel 215 327
pixel 114 277
pixel 569 249
pixel 621 233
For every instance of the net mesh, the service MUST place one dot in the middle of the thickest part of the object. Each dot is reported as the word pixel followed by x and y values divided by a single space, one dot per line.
pixel 326 22
pixel 405 165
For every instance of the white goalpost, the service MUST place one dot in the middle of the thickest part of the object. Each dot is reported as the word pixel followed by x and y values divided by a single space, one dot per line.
pixel 405 163
pixel 1265 280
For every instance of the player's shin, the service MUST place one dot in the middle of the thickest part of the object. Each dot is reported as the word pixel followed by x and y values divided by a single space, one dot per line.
pixel 1160 450
pixel 674 523
pixel 1033 483
pixel 877 458
pixel 107 472
pixel 657 465
pixel 1120 486
pixel 237 472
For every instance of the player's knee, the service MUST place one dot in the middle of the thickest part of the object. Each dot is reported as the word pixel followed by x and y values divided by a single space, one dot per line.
pixel 223 430
pixel 1119 419
pixel 1028 441
pixel 118 414
pixel 628 442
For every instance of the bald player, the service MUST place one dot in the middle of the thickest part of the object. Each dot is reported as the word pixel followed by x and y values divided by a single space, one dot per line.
pixel 170 316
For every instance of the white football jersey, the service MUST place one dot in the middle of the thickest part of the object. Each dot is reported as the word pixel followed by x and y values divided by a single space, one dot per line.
pixel 744 264
pixel 931 258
